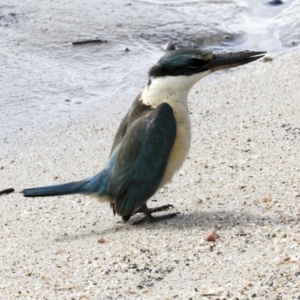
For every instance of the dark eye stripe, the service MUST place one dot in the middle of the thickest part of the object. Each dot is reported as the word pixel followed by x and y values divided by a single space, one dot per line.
pixel 196 63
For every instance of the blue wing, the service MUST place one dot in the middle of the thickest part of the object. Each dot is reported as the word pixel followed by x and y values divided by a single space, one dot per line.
pixel 137 163
pixel 140 159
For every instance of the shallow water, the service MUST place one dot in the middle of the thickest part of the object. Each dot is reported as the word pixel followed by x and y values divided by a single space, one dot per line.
pixel 47 84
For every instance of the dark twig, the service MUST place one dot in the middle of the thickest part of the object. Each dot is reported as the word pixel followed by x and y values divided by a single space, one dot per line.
pixel 88 42
pixel 7 191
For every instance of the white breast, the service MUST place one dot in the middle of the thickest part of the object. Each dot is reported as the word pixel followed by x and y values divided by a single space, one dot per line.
pixel 173 90
pixel 181 145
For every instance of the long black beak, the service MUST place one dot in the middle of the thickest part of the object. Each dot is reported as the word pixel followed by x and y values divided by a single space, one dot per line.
pixel 232 59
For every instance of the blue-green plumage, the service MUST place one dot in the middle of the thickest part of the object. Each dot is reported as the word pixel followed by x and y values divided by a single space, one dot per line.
pixel 153 139
pixel 135 167
pixel 141 159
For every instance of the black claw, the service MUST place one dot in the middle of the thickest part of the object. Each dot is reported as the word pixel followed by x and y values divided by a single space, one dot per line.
pixel 152 219
pixel 148 214
pixel 125 218
pixel 161 208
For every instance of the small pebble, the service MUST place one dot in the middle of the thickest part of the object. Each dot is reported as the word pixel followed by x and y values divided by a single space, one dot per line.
pixel 212 236
pixel 169 46
pixel 275 2
pixel 101 240
pixel 267 58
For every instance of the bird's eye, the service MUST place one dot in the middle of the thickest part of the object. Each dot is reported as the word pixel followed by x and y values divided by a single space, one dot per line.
pixel 195 63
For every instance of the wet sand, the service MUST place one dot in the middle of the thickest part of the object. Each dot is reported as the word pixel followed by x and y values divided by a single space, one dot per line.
pixel 47 84
pixel 241 178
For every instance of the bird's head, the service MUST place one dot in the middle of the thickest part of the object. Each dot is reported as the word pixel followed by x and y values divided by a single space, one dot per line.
pixel 172 77
pixel 188 62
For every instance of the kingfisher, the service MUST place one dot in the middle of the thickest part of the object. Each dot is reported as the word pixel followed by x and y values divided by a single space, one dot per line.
pixel 153 139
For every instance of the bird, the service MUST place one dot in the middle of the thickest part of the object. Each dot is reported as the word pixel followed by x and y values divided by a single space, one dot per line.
pixel 153 140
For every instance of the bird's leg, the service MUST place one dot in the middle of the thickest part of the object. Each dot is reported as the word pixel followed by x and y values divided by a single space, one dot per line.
pixel 148 213
pixel 148 217
pixel 155 209
pixel 160 208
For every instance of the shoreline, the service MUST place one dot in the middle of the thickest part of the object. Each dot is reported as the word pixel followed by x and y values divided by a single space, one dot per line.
pixel 241 178
pixel 47 81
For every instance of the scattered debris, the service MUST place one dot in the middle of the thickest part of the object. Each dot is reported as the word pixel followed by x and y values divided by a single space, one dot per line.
pixel 169 46
pixel 212 236
pixel 275 2
pixel 267 58
pixel 101 240
pixel 88 42
pixel 7 191
pixel 266 199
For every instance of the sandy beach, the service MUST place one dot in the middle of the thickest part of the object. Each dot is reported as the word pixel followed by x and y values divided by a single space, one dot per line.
pixel 241 178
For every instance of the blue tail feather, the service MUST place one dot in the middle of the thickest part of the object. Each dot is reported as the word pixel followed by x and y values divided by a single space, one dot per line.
pixel 97 183
pixel 54 190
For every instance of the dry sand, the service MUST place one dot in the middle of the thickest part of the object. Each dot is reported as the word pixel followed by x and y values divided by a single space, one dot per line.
pixel 241 178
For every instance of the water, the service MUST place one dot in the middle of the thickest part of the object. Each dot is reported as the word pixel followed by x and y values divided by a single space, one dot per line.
pixel 48 84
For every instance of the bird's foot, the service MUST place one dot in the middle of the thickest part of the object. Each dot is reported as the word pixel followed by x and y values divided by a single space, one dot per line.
pixel 160 208
pixel 152 210
pixel 155 219
pixel 148 214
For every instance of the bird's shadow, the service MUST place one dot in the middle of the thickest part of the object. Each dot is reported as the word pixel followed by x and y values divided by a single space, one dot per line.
pixel 201 220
